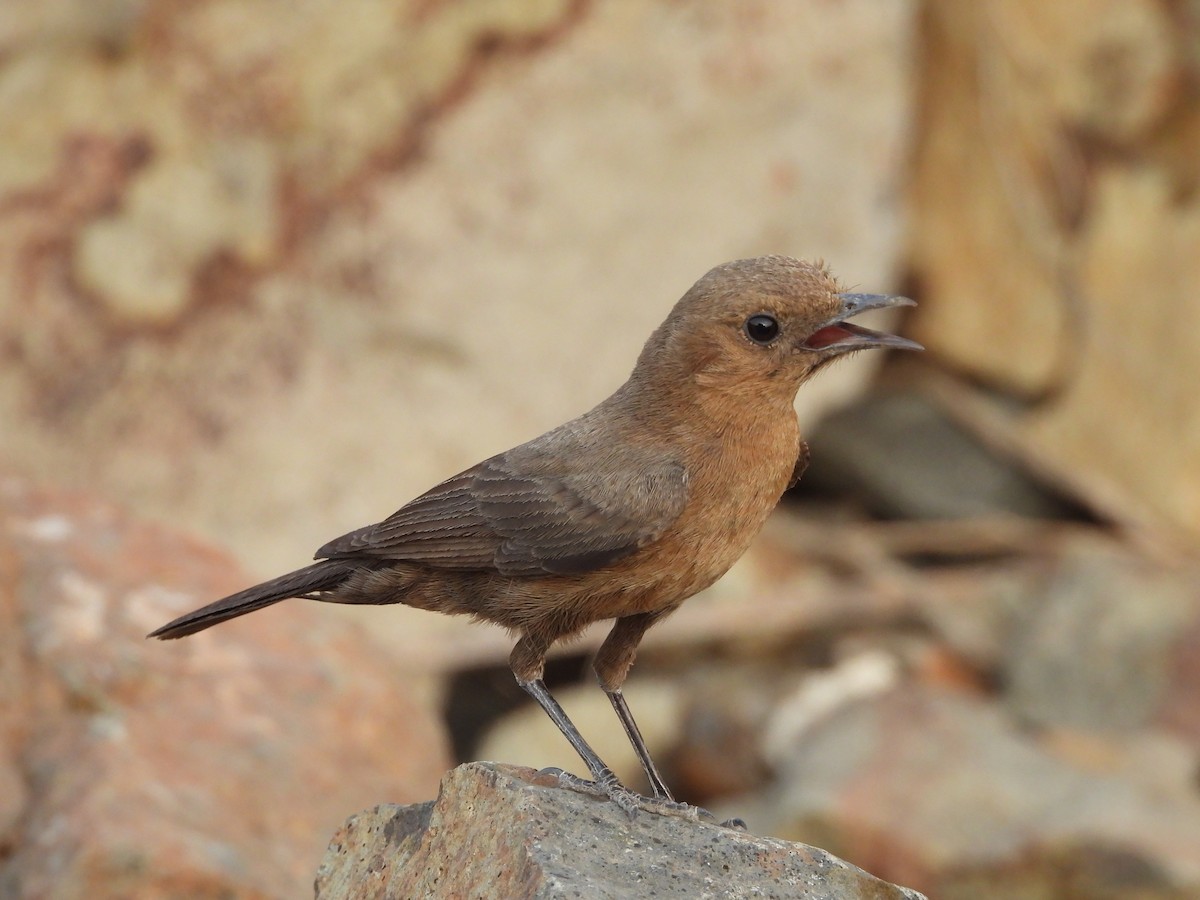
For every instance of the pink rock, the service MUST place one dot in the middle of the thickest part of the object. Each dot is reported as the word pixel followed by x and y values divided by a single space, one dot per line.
pixel 213 766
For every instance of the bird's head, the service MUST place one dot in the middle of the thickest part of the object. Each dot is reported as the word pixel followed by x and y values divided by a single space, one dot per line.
pixel 764 325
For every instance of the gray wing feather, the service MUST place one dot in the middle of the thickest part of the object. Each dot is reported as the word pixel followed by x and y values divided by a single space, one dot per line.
pixel 521 514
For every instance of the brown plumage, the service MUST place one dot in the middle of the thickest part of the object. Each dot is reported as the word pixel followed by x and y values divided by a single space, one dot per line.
pixel 622 513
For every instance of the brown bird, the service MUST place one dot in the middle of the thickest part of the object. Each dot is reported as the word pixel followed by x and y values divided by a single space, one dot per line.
pixel 622 513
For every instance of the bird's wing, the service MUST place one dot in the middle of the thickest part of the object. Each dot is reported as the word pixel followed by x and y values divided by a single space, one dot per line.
pixel 516 515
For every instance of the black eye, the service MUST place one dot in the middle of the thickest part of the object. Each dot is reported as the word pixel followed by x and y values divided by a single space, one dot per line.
pixel 762 328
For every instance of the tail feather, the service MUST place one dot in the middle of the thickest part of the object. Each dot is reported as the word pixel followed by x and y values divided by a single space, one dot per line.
pixel 321 576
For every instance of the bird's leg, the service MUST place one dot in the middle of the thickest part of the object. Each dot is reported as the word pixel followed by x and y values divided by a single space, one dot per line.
pixel 605 780
pixel 658 786
pixel 612 664
pixel 527 662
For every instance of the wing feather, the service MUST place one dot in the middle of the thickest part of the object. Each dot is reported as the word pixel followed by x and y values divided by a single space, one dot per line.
pixel 525 512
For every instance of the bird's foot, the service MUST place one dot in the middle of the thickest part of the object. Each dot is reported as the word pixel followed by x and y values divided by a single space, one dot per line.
pixel 608 787
pixel 574 783
pixel 665 806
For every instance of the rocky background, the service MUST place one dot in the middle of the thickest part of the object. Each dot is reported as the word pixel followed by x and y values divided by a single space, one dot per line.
pixel 269 269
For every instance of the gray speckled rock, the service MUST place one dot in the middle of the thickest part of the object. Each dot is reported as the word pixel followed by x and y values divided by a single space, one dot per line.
pixel 497 831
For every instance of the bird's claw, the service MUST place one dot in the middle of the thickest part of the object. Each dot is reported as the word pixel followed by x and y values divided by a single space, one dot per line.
pixel 608 787
pixel 574 782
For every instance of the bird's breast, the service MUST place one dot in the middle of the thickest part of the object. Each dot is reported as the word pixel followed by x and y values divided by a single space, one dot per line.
pixel 735 480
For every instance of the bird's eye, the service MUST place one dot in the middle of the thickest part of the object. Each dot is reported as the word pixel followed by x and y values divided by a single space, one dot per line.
pixel 762 328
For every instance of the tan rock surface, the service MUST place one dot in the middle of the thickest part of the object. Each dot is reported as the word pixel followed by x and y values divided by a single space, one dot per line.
pixel 299 265
pixel 210 767
pixel 1055 225
pixel 496 831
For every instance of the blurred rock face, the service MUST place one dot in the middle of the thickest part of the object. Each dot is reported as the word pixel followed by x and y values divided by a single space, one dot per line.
pixel 274 271
pixel 1057 216
pixel 937 788
pixel 207 768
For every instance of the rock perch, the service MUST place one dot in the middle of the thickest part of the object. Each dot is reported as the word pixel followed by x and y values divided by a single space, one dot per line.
pixel 494 831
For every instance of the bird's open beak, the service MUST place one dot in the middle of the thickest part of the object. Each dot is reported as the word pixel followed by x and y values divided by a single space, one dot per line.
pixel 839 336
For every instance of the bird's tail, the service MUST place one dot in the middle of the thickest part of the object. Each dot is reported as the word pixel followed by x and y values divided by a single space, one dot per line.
pixel 321 576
